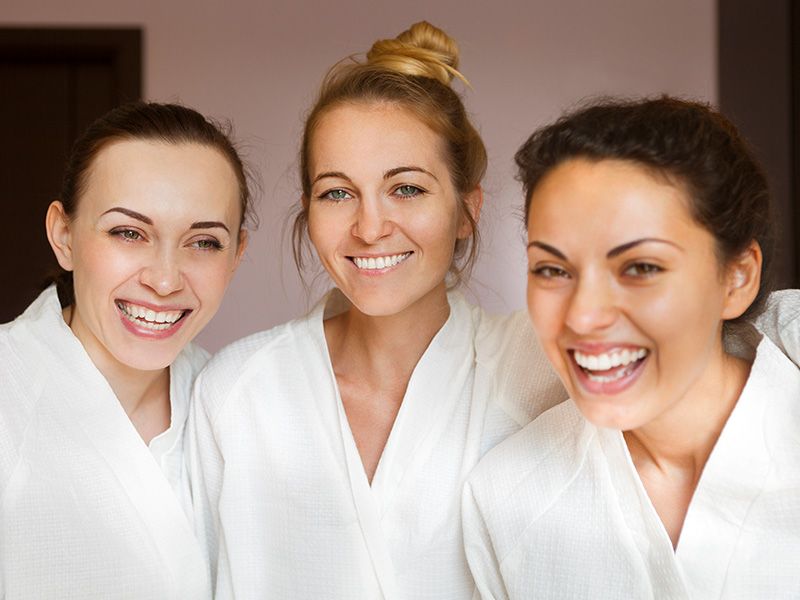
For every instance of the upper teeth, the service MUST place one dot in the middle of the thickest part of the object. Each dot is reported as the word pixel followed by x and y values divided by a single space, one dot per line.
pixel 381 262
pixel 609 360
pixel 140 312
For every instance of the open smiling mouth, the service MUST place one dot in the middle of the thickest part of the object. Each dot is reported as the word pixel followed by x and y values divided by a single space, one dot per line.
pixel 610 366
pixel 379 262
pixel 149 319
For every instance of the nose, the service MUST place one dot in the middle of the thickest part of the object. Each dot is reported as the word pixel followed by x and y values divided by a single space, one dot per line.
pixel 593 305
pixel 162 273
pixel 372 220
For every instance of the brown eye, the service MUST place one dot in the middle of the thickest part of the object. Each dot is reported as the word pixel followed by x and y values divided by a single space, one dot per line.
pixel 642 269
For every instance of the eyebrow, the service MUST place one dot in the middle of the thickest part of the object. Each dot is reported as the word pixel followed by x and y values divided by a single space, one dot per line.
pixel 131 213
pixel 145 219
pixel 405 169
pixel 209 225
pixel 387 175
pixel 611 253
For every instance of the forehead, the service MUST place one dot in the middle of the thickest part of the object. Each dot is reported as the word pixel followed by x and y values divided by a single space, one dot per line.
pixel 157 176
pixel 373 136
pixel 611 199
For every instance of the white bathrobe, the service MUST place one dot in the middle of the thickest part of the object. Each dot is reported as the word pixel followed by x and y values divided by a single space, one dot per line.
pixel 559 511
pixel 280 490
pixel 87 510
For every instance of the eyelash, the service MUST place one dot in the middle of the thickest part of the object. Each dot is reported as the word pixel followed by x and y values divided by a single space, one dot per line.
pixel 642 270
pixel 328 195
pixel 122 233
pixel 417 191
pixel 215 245
pixel 549 272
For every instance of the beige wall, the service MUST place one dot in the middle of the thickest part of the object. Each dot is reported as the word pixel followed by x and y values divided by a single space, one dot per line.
pixel 258 62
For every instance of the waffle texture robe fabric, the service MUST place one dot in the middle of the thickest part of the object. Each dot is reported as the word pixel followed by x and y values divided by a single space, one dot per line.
pixel 281 494
pixel 87 510
pixel 559 511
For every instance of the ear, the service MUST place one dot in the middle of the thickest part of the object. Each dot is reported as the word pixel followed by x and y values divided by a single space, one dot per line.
pixel 743 279
pixel 244 239
pixel 473 202
pixel 59 234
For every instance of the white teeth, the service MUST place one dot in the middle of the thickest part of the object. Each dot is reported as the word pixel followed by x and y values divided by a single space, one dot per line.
pixel 609 360
pixel 381 262
pixel 148 318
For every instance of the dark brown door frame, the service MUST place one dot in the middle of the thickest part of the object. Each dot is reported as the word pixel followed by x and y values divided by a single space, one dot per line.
pixel 759 89
pixel 120 47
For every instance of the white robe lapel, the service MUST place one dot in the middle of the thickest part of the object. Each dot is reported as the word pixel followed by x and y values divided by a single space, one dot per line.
pixel 84 402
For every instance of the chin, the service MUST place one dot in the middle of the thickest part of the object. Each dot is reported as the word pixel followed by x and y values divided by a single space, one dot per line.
pixel 148 359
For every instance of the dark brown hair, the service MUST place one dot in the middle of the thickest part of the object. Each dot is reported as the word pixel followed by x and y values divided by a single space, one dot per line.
pixel 412 71
pixel 687 141
pixel 170 123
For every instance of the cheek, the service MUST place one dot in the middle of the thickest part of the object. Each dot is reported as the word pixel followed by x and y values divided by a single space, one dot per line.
pixel 210 277
pixel 102 262
pixel 435 229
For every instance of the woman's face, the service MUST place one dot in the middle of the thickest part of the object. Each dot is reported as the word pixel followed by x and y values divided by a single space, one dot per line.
pixel 625 290
pixel 383 216
pixel 152 246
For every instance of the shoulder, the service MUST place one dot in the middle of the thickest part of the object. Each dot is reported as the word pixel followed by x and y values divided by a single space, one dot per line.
pixel 780 321
pixel 522 476
pixel 253 356
pixel 23 386
pixel 524 383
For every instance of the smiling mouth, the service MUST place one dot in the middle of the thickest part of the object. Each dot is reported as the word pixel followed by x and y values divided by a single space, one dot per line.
pixel 609 367
pixel 379 262
pixel 147 318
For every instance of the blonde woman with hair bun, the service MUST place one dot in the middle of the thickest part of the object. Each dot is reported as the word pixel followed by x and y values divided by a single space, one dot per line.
pixel 328 454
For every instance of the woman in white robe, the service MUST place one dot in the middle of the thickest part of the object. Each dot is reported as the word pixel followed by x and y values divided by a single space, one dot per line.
pixel 327 455
pixel 94 495
pixel 674 472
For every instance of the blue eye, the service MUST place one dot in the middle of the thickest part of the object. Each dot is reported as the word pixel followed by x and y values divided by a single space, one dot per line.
pixel 642 269
pixel 408 191
pixel 336 195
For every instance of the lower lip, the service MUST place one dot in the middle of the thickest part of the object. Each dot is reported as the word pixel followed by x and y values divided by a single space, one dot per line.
pixel 378 272
pixel 151 334
pixel 608 387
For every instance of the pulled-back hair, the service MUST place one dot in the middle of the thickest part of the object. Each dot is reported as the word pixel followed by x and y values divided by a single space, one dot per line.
pixel 413 71
pixel 689 143
pixel 168 123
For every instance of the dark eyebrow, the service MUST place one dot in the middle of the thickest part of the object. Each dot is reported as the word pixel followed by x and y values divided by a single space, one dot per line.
pixel 625 247
pixel 131 213
pixel 548 248
pixel 398 170
pixel 336 174
pixel 209 225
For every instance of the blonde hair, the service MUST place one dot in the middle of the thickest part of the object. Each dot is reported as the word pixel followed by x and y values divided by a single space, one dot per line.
pixel 414 71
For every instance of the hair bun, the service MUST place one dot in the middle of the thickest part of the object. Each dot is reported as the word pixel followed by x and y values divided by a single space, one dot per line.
pixel 422 50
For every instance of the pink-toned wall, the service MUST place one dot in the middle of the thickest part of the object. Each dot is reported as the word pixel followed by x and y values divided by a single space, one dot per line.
pixel 258 62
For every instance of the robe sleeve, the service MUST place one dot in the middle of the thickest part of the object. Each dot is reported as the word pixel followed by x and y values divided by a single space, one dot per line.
pixel 479 549
pixel 780 321
pixel 206 467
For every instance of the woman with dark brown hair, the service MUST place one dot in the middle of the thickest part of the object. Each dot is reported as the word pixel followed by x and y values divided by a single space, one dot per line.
pixel 94 497
pixel 674 470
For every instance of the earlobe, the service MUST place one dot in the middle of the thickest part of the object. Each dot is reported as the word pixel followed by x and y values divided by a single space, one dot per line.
pixel 473 202
pixel 743 281
pixel 59 234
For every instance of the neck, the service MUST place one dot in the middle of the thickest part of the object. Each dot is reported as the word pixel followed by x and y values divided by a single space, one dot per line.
pixel 386 346
pixel 682 438
pixel 143 395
